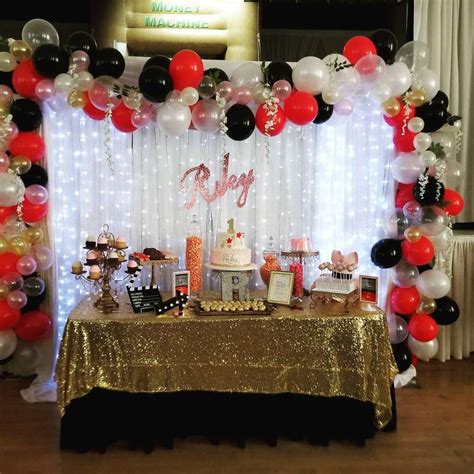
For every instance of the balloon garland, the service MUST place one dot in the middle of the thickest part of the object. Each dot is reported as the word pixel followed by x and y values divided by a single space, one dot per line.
pixel 178 93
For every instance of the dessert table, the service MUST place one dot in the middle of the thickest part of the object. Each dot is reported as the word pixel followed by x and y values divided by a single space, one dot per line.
pixel 319 373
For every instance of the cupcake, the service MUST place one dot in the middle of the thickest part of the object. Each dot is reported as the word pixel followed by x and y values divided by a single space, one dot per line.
pixel 92 257
pixel 112 259
pixel 102 243
pixel 76 268
pixel 121 256
pixel 90 242
pixel 132 266
pixel 121 243
pixel 94 272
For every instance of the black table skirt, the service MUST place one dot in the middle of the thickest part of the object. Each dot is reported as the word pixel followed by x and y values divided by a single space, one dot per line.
pixel 146 420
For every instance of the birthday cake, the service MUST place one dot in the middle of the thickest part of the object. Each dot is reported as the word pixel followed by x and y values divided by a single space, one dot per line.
pixel 230 250
pixel 337 276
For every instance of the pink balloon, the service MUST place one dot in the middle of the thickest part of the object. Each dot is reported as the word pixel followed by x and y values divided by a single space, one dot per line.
pixel 45 89
pixel 343 107
pixel 79 59
pixel 6 95
pixel 12 280
pixel 26 265
pixel 17 299
pixel 282 90
pixel 11 131
pixel 58 103
pixel 36 194
pixel 206 116
pixel 243 95
pixel 225 90
pixel 43 257
pixel 142 117
pixel 4 161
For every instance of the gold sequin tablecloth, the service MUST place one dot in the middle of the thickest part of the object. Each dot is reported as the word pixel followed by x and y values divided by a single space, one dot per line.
pixel 314 352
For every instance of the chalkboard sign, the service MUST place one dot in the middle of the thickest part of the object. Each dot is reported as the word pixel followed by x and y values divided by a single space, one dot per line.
pixel 144 298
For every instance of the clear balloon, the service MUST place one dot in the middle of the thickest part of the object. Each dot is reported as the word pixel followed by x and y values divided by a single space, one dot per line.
pixel 189 96
pixel 423 350
pixel 104 92
pixel 174 97
pixel 381 91
pixel 10 131
pixel 19 245
pixel 58 103
pixel 84 81
pixel 261 93
pixel 26 359
pixel 12 280
pixel 79 60
pixel 344 107
pixel 37 32
pixel 206 116
pixel 404 274
pixel 281 90
pixel 225 90
pixel 412 210
pixel 13 227
pixel 422 141
pixel 4 161
pixel 441 241
pixel 207 87
pixel 33 286
pixel 174 119
pixel 407 167
pixel 346 81
pixel 415 54
pixel 247 74
pixel 428 81
pixel 371 68
pixel 17 299
pixel 433 284
pixel 43 257
pixel 36 194
pixel 26 265
pixel 454 173
pixel 45 89
pixel 397 329
pixel 433 220
pixel 8 343
pixel 64 83
pixel 6 95
pixel 243 95
pixel 395 224
pixel 12 189
pixel 142 117
pixel 7 62
pixel 310 75
pixel 398 78
pixel 416 124
pixel 446 140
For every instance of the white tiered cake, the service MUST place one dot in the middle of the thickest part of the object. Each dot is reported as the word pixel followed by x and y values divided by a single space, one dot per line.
pixel 230 250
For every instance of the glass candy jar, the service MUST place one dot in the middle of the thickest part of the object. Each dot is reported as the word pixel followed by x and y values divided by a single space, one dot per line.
pixel 194 255
pixel 272 264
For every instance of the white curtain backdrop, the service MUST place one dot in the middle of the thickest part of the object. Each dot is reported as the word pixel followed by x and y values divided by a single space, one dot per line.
pixel 447 27
pixel 330 183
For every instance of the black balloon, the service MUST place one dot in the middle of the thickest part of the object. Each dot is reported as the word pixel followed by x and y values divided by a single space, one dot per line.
pixel 33 302
pixel 5 361
pixel 240 122
pixel 402 356
pixel 161 61
pixel 50 60
pixel 428 190
pixel 434 114
pixel 424 268
pixel 81 41
pixel 217 74
pixel 26 114
pixel 441 98
pixel 277 71
pixel 386 43
pixel 324 110
pixel 447 311
pixel 36 175
pixel 155 83
pixel 107 62
pixel 6 79
pixel 386 253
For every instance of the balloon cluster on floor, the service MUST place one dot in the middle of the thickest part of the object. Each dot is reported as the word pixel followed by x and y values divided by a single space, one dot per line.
pixel 426 138
pixel 23 205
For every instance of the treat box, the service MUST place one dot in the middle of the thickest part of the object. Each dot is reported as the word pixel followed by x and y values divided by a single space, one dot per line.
pixel 201 312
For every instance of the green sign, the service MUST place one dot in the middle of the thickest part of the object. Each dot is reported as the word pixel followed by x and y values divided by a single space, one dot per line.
pixel 184 22
pixel 174 7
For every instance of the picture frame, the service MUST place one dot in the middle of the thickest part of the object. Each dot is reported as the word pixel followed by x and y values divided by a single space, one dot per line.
pixel 368 289
pixel 280 288
pixel 182 282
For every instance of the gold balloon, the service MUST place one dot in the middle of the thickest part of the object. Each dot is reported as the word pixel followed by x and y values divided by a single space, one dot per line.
pixel 20 246
pixel 427 305
pixel 391 107
pixel 4 110
pixel 20 164
pixel 76 99
pixel 20 50
pixel 3 245
pixel 413 234
pixel 3 291
pixel 416 97
pixel 33 235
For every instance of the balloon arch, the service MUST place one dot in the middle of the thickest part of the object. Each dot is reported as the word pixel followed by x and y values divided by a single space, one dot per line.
pixel 178 94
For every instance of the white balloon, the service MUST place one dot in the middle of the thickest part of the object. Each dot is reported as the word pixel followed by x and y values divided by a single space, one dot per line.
pixel 416 124
pixel 398 77
pixel 423 350
pixel 406 167
pixel 12 189
pixel 174 119
pixel 428 157
pixel 422 141
pixel 247 74
pixel 189 95
pixel 343 107
pixel 433 284
pixel 7 343
pixel 381 91
pixel 454 173
pixel 63 83
pixel 310 75
pixel 331 95
pixel 84 80
pixel 428 81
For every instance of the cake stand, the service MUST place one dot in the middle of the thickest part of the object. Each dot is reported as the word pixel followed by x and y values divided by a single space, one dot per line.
pixel 171 261
pixel 234 280
pixel 300 256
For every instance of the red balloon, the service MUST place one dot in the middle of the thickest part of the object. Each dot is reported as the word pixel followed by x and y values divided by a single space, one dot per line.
pixel 404 194
pixel 358 47
pixel 414 359
pixel 8 261
pixel 418 253
pixel 404 300
pixel 301 108
pixel 34 212
pixel 423 327
pixel 29 144
pixel 33 325
pixel 406 113
pixel 455 202
pixel 278 119
pixel 6 212
pixel 91 110
pixel 121 118
pixel 25 77
pixel 8 317
pixel 186 69
pixel 403 140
